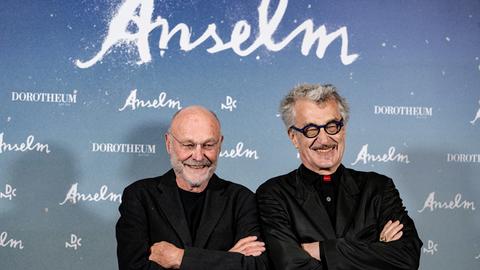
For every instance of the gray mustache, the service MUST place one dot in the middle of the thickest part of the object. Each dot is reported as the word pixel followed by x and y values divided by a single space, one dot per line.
pixel 323 147
pixel 199 163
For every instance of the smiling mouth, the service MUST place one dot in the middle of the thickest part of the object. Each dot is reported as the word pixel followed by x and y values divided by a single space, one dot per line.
pixel 196 167
pixel 324 149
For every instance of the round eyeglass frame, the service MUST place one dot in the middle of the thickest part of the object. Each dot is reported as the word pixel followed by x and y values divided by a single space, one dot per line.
pixel 312 127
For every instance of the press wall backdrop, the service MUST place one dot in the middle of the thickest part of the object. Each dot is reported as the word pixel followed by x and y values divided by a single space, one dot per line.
pixel 87 89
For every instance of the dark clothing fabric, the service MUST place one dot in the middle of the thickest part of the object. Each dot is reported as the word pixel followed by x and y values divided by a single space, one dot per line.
pixel 327 189
pixel 192 205
pixel 151 211
pixel 292 212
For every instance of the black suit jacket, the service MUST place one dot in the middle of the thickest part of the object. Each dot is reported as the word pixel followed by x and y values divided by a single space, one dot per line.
pixel 151 211
pixel 291 213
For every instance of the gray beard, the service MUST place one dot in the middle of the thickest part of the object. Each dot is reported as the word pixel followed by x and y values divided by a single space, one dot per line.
pixel 193 184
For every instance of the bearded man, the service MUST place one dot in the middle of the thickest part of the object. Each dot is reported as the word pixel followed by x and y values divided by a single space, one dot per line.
pixel 189 218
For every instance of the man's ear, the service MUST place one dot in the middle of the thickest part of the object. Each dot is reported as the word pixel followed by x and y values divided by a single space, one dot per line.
pixel 167 143
pixel 293 137
pixel 220 143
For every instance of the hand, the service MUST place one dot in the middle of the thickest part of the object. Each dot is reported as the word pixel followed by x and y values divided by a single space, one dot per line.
pixel 166 255
pixel 313 249
pixel 249 246
pixel 392 231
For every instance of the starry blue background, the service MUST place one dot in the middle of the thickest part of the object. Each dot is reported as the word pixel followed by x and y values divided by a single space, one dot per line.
pixel 411 53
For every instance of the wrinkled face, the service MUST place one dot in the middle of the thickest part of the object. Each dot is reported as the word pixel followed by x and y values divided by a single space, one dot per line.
pixel 194 144
pixel 323 153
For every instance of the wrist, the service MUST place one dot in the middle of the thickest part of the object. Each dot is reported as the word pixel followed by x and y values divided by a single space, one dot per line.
pixel 179 259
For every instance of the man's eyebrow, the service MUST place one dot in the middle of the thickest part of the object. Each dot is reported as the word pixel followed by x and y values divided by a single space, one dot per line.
pixel 206 141
pixel 328 121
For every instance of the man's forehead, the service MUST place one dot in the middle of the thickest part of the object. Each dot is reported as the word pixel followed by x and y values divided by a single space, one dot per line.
pixel 195 114
pixel 324 110
pixel 194 123
pixel 196 129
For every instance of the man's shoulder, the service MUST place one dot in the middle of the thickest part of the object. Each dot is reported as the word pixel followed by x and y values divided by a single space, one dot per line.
pixel 141 189
pixel 149 183
pixel 229 186
pixel 277 183
pixel 144 183
pixel 368 177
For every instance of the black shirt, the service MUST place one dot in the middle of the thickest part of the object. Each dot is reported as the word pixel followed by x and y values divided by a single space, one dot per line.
pixel 326 187
pixel 192 205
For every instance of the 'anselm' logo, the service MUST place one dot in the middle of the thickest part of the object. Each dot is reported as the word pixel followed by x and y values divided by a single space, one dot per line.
pixel 134 103
pixel 391 156
pixel 134 21
pixel 457 203
pixel 74 196
pixel 239 152
pixel 10 243
pixel 28 145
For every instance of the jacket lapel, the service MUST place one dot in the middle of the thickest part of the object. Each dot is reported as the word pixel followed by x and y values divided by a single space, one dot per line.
pixel 171 205
pixel 308 198
pixel 213 209
pixel 346 202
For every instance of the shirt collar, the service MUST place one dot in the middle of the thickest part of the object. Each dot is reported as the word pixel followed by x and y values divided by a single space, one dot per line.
pixel 310 177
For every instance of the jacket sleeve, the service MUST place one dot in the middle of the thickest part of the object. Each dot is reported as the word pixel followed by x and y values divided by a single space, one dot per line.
pixel 282 242
pixel 360 251
pixel 133 248
pixel 246 224
pixel 365 251
pixel 133 245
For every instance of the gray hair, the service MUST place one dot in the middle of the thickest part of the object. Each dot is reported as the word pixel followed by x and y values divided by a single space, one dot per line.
pixel 317 93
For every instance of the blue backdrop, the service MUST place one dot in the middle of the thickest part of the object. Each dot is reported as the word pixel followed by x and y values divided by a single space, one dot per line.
pixel 87 89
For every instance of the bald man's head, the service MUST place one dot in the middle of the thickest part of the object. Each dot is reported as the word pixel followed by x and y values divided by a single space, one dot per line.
pixel 196 110
pixel 193 141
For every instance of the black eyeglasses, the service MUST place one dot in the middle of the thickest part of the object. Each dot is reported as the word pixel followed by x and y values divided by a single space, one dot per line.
pixel 312 130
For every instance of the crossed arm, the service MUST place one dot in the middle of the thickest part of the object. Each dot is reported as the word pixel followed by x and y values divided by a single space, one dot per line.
pixel 361 248
pixel 392 231
pixel 169 256
pixel 138 224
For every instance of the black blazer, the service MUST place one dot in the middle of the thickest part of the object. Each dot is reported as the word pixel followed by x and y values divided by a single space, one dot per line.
pixel 151 211
pixel 291 213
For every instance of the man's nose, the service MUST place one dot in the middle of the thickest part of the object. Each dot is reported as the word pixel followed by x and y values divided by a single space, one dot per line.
pixel 197 152
pixel 323 137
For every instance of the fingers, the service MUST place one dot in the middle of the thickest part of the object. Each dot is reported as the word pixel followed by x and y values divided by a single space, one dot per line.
pixel 246 240
pixel 313 249
pixel 249 246
pixel 397 236
pixel 254 248
pixel 392 231
pixel 242 242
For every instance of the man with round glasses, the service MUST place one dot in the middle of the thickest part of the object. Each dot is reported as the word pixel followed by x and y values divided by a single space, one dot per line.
pixel 189 218
pixel 323 215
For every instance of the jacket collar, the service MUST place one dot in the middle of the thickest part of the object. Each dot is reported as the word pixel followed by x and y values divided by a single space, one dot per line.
pixel 308 198
pixel 348 193
pixel 171 205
